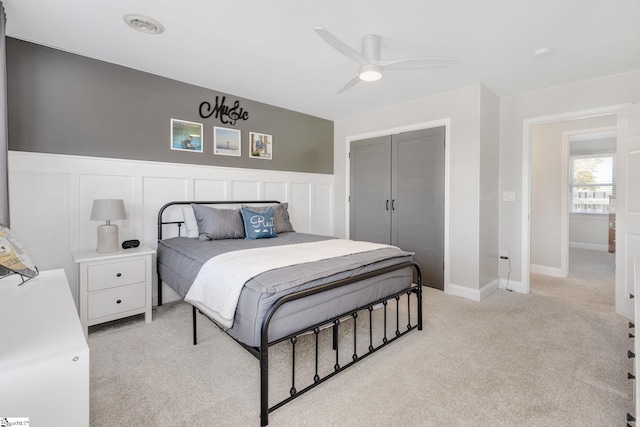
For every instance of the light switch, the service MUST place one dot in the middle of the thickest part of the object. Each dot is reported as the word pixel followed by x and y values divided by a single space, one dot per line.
pixel 509 196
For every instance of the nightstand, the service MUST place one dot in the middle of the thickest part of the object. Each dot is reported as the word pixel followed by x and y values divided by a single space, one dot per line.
pixel 114 285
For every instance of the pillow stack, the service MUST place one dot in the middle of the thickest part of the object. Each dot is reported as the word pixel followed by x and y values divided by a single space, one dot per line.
pixel 249 222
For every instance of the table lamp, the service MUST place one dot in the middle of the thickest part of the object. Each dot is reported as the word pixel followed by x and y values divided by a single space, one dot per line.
pixel 107 210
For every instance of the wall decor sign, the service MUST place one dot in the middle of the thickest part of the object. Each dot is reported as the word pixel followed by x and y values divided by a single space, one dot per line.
pixel 226 142
pixel 260 145
pixel 186 136
pixel 228 115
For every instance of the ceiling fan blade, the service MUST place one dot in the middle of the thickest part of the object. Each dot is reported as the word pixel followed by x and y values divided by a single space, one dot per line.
pixel 339 45
pixel 351 83
pixel 412 64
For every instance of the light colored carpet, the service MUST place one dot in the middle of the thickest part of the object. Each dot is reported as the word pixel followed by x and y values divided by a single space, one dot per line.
pixel 554 357
pixel 592 265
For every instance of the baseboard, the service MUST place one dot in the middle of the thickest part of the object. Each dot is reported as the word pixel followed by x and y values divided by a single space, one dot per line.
pixel 462 291
pixel 591 246
pixel 472 294
pixel 489 288
pixel 547 271
pixel 513 286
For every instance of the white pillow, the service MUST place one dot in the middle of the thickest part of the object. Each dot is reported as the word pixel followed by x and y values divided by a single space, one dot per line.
pixel 190 222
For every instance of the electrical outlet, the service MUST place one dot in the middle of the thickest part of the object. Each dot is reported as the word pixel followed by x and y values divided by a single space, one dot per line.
pixel 509 196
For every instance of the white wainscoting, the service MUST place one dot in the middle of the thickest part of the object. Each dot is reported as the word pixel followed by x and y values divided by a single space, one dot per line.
pixel 51 197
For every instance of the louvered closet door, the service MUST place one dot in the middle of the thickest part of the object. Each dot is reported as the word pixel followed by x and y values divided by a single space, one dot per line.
pixel 418 200
pixel 370 192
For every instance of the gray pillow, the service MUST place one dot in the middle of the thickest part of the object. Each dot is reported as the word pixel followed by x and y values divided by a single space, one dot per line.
pixel 216 224
pixel 280 216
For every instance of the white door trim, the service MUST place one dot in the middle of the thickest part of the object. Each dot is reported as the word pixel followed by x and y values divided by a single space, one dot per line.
pixel 526 176
pixel 628 215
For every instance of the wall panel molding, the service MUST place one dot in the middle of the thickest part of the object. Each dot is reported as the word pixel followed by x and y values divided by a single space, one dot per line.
pixel 51 197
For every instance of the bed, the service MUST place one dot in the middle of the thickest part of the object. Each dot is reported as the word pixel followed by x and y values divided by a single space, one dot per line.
pixel 290 284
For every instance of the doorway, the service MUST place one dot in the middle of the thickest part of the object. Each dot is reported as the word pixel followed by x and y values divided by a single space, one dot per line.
pixel 625 114
pixel 591 202
pixel 569 210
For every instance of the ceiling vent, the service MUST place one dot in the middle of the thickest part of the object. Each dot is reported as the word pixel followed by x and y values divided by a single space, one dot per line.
pixel 543 52
pixel 144 24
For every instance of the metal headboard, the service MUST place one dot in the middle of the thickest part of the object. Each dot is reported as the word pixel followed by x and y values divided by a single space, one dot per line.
pixel 179 223
pixel 217 202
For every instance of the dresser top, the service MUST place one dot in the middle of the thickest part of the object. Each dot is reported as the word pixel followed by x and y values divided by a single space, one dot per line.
pixel 38 320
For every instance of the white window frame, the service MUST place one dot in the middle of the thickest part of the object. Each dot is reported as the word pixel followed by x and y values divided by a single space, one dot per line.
pixel 572 207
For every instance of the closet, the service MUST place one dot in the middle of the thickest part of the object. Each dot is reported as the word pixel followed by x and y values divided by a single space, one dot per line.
pixel 397 196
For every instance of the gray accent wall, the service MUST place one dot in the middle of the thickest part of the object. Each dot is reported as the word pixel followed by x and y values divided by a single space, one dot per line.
pixel 64 103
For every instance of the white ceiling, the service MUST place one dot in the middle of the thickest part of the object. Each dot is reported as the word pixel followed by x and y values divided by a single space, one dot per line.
pixel 267 51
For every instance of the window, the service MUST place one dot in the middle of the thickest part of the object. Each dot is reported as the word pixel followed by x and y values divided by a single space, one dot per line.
pixel 593 180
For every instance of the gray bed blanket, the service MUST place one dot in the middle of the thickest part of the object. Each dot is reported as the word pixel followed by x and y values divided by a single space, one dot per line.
pixel 180 259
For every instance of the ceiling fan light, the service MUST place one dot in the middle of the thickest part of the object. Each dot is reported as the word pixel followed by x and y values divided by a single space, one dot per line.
pixel 370 73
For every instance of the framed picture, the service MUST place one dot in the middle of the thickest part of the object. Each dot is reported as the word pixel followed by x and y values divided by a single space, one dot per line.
pixel 186 136
pixel 260 145
pixel 226 142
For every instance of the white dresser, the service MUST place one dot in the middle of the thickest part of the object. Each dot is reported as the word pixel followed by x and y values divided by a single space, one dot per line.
pixel 44 357
pixel 114 285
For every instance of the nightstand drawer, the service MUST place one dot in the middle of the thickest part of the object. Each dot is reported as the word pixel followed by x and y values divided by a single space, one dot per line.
pixel 114 301
pixel 120 273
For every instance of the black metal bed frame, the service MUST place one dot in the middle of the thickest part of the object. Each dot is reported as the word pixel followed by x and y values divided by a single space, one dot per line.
pixel 262 352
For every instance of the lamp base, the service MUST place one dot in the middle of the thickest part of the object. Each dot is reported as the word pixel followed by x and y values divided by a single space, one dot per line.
pixel 107 238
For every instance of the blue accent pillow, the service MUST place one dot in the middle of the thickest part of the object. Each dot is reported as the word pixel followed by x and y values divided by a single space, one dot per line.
pixel 280 216
pixel 258 225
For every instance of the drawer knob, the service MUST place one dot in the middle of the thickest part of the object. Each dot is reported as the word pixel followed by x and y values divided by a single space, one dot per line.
pixel 119 275
pixel 119 301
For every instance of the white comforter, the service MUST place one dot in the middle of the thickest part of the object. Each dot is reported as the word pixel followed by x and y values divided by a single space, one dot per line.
pixel 217 287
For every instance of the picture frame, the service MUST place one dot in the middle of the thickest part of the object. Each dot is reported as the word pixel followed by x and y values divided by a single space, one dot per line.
pixel 260 146
pixel 186 136
pixel 227 142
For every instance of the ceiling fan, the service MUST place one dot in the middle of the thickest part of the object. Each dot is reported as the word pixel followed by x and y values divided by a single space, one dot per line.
pixel 371 67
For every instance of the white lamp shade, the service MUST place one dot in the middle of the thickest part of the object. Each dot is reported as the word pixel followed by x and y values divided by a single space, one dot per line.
pixel 108 209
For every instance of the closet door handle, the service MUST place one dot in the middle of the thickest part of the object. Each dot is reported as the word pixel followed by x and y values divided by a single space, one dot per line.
pixel 393 205
pixel 387 206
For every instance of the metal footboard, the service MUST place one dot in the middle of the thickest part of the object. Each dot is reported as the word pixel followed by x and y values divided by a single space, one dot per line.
pixel 262 353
